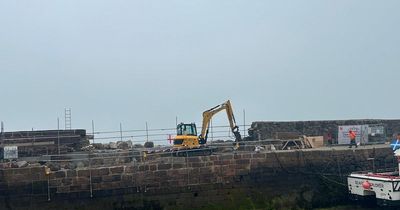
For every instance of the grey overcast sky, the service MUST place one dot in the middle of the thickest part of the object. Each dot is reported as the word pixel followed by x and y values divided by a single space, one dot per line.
pixel 134 61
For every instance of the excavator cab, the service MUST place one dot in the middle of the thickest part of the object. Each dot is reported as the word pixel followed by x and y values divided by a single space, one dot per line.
pixel 187 129
pixel 186 136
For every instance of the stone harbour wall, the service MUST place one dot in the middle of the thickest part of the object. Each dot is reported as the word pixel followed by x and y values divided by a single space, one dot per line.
pixel 195 182
pixel 268 130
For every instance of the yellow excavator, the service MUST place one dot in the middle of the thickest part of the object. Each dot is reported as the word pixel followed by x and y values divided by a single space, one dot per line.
pixel 187 139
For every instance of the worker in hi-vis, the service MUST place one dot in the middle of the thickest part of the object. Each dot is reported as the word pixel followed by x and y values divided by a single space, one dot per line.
pixel 352 136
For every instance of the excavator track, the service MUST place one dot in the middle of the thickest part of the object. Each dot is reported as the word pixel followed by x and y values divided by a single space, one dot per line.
pixel 206 151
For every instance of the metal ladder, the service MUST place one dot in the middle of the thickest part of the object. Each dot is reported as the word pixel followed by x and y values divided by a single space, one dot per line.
pixel 68 119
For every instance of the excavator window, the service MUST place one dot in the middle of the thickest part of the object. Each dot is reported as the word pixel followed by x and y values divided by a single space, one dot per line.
pixel 187 129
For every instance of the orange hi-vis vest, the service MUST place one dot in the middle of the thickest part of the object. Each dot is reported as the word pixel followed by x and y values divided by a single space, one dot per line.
pixel 352 135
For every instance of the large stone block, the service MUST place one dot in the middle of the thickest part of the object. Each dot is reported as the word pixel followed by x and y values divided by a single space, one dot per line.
pixel 80 180
pixel 197 165
pixel 38 176
pixel 237 156
pixel 164 166
pixel 194 171
pixel 107 178
pixel 66 181
pixel 206 171
pixel 194 159
pixel 83 173
pixel 37 170
pixel 131 169
pixel 106 185
pixel 210 163
pixel 127 179
pixel 116 178
pixel 117 170
pixel 55 182
pixel 103 171
pixel 97 179
pixel 259 155
pixel 246 156
pixel 226 157
pixel 63 189
pixel 161 174
pixel 93 172
pixel 79 188
pixel 223 162
pixel 243 161
pixel 241 166
pixel 178 165
pixel 71 173
pixel 153 167
pixel 59 174
pixel 213 157
pixel 144 167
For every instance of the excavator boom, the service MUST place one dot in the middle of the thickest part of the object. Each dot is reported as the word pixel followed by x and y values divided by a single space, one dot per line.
pixel 208 115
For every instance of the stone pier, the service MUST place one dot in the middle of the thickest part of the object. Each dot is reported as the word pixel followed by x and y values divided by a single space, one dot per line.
pixel 303 178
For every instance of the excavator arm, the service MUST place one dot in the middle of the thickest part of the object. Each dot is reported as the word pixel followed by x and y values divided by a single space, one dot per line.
pixel 208 115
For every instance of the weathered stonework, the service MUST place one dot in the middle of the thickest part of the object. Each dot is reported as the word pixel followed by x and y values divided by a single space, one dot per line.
pixel 188 182
pixel 267 130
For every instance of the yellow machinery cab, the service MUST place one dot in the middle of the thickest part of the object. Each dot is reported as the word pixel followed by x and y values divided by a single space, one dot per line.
pixel 186 137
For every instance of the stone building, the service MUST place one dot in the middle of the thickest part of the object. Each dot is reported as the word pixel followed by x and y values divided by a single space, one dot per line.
pixel 262 130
